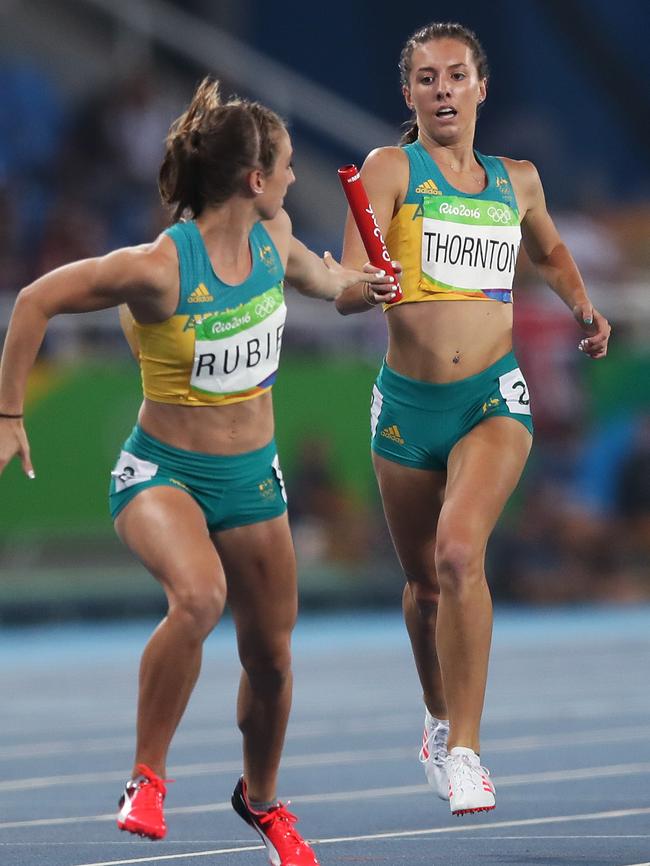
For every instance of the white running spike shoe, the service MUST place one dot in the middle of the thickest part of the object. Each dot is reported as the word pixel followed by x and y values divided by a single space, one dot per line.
pixel 470 787
pixel 433 754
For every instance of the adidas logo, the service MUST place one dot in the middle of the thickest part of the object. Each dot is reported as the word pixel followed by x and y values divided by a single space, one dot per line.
pixel 200 295
pixel 429 187
pixel 393 434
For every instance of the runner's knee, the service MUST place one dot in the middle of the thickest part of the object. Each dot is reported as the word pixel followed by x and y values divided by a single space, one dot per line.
pixel 197 610
pixel 267 665
pixel 458 563
pixel 425 596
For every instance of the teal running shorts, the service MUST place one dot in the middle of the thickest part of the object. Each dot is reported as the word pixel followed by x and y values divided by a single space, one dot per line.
pixel 232 490
pixel 418 423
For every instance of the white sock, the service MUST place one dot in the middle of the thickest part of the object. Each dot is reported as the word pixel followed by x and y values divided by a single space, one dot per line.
pixel 459 751
pixel 433 720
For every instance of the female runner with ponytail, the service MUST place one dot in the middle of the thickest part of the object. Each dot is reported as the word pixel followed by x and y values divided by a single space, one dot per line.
pixel 197 491
pixel 451 418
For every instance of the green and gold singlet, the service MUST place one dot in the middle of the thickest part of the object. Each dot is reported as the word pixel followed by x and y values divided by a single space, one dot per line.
pixel 222 344
pixel 453 246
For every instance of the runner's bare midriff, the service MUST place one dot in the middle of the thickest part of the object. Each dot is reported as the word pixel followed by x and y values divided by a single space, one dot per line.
pixel 444 341
pixel 231 429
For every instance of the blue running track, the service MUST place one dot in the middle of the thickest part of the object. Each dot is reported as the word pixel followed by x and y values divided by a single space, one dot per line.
pixel 566 736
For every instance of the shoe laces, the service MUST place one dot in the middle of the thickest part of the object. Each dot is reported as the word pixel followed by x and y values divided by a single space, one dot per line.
pixel 435 744
pixel 279 816
pixel 467 764
pixel 152 785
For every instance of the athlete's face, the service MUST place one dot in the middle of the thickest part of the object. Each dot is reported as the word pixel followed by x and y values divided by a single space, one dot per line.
pixel 444 89
pixel 279 180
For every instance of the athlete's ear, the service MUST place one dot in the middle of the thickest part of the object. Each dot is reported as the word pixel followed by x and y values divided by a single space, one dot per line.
pixel 256 181
pixel 406 93
pixel 482 90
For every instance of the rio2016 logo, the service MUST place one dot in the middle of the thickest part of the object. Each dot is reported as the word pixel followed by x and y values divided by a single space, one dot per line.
pixel 459 210
pixel 222 327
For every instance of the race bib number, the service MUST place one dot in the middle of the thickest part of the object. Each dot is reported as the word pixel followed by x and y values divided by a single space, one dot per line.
pixel 514 391
pixel 130 470
pixel 237 350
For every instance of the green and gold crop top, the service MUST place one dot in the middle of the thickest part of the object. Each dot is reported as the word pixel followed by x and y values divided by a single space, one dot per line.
pixel 455 246
pixel 222 344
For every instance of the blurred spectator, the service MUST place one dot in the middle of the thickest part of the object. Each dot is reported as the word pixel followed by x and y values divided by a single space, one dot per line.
pixel 631 227
pixel 594 246
pixel 546 336
pixel 633 500
pixel 115 147
pixel 546 342
pixel 582 528
pixel 327 522
pixel 31 117
pixel 12 263
pixel 71 231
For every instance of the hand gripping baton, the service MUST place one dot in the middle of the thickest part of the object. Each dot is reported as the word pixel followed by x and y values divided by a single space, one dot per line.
pixel 364 217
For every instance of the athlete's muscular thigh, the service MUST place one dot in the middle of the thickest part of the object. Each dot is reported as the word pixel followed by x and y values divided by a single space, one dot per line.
pixel 412 499
pixel 483 470
pixel 260 564
pixel 165 528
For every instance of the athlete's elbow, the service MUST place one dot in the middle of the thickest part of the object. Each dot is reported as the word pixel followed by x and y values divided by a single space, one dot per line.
pixel 342 304
pixel 340 308
pixel 30 301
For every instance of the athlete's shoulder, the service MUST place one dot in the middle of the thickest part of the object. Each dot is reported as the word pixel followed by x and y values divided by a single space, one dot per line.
pixel 387 168
pixel 522 170
pixel 279 230
pixel 382 158
pixel 281 223
pixel 157 260
pixel 148 270
pixel 526 182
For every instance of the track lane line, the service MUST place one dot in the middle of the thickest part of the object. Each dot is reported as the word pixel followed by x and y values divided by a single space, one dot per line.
pixel 351 796
pixel 529 742
pixel 346 758
pixel 404 834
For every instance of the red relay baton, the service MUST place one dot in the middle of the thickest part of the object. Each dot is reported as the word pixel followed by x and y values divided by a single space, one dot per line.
pixel 364 217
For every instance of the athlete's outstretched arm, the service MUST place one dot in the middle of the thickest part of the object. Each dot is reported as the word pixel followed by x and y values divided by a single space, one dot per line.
pixel 555 264
pixel 319 278
pixel 325 278
pixel 129 275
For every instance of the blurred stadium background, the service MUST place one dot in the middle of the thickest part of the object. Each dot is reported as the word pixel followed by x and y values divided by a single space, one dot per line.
pixel 88 89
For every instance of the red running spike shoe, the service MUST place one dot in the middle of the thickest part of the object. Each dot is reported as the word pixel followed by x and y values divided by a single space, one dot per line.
pixel 141 805
pixel 284 845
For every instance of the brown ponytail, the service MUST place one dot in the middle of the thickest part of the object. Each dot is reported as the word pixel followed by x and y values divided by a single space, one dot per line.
pixel 212 146
pixel 410 134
